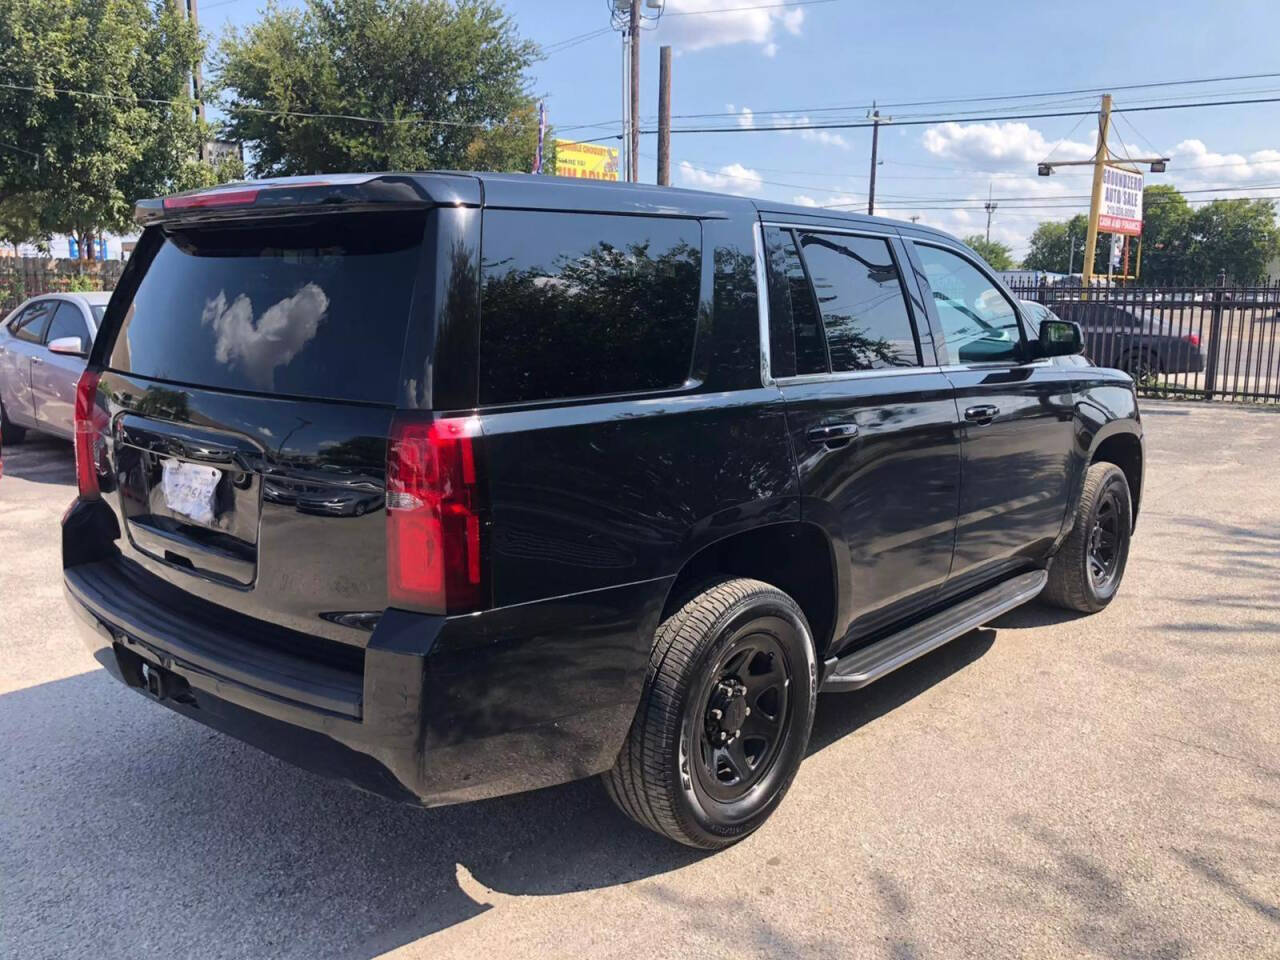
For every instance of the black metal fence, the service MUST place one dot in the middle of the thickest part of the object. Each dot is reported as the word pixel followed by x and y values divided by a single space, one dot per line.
pixel 1213 343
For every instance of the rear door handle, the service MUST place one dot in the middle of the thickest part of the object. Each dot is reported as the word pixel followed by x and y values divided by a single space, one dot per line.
pixel 37 360
pixel 833 434
pixel 982 413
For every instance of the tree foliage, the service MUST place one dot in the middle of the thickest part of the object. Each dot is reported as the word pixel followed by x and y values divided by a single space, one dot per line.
pixel 1179 244
pixel 445 83
pixel 82 159
pixel 997 255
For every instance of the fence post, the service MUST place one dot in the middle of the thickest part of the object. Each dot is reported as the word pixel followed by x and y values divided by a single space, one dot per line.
pixel 1215 336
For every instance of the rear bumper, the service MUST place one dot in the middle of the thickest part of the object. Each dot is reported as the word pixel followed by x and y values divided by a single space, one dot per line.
pixel 439 710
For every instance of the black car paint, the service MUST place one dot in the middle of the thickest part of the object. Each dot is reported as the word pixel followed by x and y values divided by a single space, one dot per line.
pixel 598 508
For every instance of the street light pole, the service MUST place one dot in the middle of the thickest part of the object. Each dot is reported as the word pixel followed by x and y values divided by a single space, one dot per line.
pixel 1100 157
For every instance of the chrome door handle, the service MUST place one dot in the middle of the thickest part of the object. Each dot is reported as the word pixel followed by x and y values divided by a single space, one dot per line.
pixel 982 413
pixel 833 434
pixel 37 360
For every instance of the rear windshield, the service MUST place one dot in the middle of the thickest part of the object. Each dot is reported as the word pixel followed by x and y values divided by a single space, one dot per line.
pixel 306 308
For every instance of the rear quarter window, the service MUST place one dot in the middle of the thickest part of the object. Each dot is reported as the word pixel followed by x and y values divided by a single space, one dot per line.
pixel 313 307
pixel 576 305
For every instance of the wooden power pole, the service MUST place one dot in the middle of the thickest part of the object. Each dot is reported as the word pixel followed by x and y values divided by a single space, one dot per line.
pixel 876 120
pixel 197 79
pixel 664 116
pixel 634 146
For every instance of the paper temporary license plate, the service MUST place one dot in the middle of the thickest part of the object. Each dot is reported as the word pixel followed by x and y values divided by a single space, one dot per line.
pixel 190 489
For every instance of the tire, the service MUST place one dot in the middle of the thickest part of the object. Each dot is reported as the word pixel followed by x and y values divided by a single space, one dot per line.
pixel 1142 366
pixel 1085 576
pixel 669 776
pixel 10 433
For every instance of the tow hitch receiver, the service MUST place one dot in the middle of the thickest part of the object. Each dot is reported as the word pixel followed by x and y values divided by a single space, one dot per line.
pixel 154 681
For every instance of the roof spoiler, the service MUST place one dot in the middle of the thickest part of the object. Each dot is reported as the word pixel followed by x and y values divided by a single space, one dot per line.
pixel 321 194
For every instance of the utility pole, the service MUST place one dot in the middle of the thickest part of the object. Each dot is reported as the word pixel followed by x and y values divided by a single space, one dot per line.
pixel 625 150
pixel 664 116
pixel 633 164
pixel 876 120
pixel 1071 253
pixel 197 79
pixel 990 208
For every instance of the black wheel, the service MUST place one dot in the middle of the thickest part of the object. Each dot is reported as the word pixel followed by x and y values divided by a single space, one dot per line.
pixel 1086 573
pixel 10 432
pixel 1142 366
pixel 724 719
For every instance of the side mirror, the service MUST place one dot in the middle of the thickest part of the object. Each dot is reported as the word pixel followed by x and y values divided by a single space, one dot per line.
pixel 71 346
pixel 1060 338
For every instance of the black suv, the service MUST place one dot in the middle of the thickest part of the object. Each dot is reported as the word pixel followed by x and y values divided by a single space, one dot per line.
pixel 454 485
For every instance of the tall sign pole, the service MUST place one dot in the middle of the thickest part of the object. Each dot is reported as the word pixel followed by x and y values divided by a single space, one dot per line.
pixel 1100 158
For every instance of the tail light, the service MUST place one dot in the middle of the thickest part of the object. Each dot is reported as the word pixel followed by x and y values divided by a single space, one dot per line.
pixel 87 434
pixel 1193 339
pixel 434 560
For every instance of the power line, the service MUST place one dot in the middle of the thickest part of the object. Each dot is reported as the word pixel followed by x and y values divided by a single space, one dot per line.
pixel 942 118
pixel 858 108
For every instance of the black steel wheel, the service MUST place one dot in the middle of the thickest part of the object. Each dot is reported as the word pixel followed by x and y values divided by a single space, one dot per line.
pixel 1087 570
pixel 724 719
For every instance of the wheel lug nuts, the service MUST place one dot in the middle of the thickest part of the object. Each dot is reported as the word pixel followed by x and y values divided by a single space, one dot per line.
pixel 736 732
pixel 746 712
pixel 716 714
pixel 723 736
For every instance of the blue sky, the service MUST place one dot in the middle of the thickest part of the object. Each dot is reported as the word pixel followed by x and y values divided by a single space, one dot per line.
pixel 804 60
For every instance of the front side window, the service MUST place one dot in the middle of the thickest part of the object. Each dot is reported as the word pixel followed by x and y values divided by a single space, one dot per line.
pixel 978 321
pixel 860 295
pixel 576 305
pixel 68 322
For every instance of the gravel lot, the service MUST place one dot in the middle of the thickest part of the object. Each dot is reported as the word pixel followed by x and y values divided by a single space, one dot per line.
pixel 1049 786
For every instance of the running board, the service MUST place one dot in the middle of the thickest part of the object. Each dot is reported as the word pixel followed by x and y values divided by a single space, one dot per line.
pixel 857 669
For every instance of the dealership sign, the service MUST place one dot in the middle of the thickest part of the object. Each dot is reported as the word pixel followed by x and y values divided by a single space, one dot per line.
pixel 1121 202
pixel 588 161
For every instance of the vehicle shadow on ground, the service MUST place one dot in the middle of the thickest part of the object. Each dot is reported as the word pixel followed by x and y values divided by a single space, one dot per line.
pixel 130 829
pixel 40 459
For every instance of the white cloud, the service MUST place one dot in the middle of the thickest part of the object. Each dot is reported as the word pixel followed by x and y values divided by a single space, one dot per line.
pixel 732 178
pixel 844 201
pixel 993 146
pixel 703 30
pixel 1194 164
pixel 747 120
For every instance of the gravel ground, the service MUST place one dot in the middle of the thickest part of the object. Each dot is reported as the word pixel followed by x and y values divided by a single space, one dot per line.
pixel 1049 786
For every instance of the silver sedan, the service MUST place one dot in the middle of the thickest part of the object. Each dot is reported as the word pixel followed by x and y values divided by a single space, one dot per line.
pixel 43 346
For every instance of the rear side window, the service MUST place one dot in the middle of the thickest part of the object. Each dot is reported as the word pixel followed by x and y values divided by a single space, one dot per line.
pixel 31 323
pixel 577 305
pixel 313 307
pixel 792 309
pixel 864 309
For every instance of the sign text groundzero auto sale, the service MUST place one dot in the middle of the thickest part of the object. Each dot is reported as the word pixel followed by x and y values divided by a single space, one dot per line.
pixel 1121 202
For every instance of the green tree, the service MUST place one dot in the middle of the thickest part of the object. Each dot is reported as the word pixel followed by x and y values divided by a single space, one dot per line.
pixel 1238 236
pixel 1057 246
pixel 997 255
pixel 1166 236
pixel 438 76
pixel 128 130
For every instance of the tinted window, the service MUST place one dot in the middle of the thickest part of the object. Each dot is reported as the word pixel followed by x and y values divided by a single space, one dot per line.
pixel 68 322
pixel 577 305
pixel 31 323
pixel 312 308
pixel 864 310
pixel 978 321
pixel 795 330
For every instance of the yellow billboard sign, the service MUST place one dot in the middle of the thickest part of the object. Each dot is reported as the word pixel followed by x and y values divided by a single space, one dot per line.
pixel 588 161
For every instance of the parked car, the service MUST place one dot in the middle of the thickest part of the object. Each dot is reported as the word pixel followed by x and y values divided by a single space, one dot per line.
pixel 658 466
pixel 43 345
pixel 1141 343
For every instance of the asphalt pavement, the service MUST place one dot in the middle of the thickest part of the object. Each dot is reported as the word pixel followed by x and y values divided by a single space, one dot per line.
pixel 1048 786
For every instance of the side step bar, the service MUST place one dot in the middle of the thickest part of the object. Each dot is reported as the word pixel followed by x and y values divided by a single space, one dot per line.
pixel 857 669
